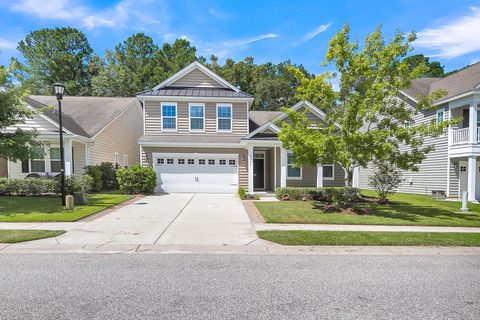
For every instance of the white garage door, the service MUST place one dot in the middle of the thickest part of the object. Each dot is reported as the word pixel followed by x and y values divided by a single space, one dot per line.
pixel 196 172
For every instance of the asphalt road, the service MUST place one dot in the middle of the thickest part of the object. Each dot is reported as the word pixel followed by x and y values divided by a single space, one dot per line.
pixel 133 286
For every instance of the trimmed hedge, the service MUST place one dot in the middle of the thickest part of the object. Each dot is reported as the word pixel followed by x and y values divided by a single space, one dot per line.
pixel 326 194
pixel 40 186
pixel 137 179
pixel 103 175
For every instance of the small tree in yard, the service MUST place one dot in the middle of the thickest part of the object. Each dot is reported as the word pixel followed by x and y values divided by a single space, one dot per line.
pixel 385 179
pixel 366 119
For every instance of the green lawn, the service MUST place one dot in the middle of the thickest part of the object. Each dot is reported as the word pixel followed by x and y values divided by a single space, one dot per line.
pixel 13 236
pixel 48 209
pixel 404 209
pixel 346 238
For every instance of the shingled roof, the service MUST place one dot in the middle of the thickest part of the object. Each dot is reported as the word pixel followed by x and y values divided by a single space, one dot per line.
pixel 84 116
pixel 455 84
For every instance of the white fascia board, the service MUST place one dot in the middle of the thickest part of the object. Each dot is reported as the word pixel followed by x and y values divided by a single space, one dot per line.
pixel 459 96
pixel 42 115
pixel 408 96
pixel 262 143
pixel 50 137
pixel 192 98
pixel 189 144
pixel 263 128
pixel 191 67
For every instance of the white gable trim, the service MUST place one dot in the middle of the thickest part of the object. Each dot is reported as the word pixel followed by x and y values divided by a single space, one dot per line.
pixel 319 113
pixel 196 65
pixel 268 125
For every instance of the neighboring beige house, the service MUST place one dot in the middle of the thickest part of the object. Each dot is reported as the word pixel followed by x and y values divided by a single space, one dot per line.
pixel 96 129
pixel 200 136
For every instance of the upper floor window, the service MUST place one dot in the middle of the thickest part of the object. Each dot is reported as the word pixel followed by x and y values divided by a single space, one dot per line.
pixel 440 116
pixel 224 117
pixel 169 116
pixel 197 116
pixel 293 172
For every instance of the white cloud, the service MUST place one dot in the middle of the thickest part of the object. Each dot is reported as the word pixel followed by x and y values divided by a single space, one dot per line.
pixel 136 14
pixel 218 14
pixel 7 44
pixel 454 39
pixel 245 41
pixel 321 28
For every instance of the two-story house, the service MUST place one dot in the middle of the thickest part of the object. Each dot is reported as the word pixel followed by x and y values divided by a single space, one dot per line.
pixel 452 167
pixel 201 136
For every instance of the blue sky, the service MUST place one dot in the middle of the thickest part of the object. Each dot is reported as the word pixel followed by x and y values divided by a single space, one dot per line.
pixel 273 31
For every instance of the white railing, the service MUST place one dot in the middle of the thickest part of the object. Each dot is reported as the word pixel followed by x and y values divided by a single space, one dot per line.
pixel 458 136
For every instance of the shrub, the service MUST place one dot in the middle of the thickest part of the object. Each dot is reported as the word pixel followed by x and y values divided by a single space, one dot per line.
pixel 28 187
pixel 103 175
pixel 83 184
pixel 242 193
pixel 326 194
pixel 385 179
pixel 137 179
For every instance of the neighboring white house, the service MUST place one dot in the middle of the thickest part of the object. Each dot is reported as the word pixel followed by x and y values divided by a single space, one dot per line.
pixel 96 129
pixel 200 136
pixel 452 167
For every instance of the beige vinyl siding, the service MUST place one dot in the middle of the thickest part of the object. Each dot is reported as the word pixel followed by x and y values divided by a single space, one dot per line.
pixel 153 118
pixel 309 178
pixel 338 177
pixel 120 136
pixel 194 79
pixel 432 173
pixel 242 155
pixel 3 167
pixel 79 158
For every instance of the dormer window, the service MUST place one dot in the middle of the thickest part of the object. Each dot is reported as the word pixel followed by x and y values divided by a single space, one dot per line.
pixel 169 116
pixel 224 117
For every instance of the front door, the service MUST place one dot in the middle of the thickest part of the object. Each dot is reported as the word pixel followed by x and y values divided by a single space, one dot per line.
pixel 259 171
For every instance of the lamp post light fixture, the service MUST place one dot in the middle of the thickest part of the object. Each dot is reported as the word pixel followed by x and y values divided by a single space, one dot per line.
pixel 59 89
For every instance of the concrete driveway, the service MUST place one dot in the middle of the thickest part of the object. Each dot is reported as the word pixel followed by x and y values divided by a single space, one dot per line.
pixel 172 219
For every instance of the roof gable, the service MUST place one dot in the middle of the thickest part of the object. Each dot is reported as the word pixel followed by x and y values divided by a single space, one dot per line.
pixel 196 74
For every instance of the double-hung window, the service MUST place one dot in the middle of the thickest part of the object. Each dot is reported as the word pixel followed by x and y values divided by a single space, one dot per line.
pixel 328 172
pixel 37 164
pixel 293 172
pixel 55 159
pixel 440 115
pixel 169 116
pixel 197 116
pixel 224 117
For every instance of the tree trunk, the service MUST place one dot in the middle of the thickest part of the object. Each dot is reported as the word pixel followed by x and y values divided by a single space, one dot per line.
pixel 348 177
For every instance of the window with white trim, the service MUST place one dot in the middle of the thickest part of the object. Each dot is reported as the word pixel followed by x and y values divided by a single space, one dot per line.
pixel 440 116
pixel 55 164
pixel 169 117
pixel 160 161
pixel 197 117
pixel 169 161
pixel 224 118
pixel 222 162
pixel 293 172
pixel 211 161
pixel 37 164
pixel 125 160
pixel 328 172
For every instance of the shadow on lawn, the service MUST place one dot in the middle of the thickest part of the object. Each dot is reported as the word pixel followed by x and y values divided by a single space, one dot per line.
pixel 407 211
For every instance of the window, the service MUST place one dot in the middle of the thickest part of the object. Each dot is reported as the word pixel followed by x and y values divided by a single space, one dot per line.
pixel 191 161
pixel 224 118
pixel 197 117
pixel 201 161
pixel 125 160
pixel 440 116
pixel 292 172
pixel 160 161
pixel 55 159
pixel 222 162
pixel 116 159
pixel 231 162
pixel 169 161
pixel 328 171
pixel 181 161
pixel 37 164
pixel 211 161
pixel 169 117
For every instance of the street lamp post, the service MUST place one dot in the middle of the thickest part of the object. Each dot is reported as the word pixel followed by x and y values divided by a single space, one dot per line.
pixel 59 90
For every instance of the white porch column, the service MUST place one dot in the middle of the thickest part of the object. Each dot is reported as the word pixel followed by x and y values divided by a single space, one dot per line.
pixel 250 169
pixel 473 122
pixel 448 177
pixel 67 147
pixel 283 167
pixel 356 177
pixel 319 175
pixel 471 181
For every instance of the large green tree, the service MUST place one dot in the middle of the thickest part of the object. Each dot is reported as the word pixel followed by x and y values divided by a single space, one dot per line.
pixel 14 144
pixel 54 55
pixel 366 118
pixel 433 68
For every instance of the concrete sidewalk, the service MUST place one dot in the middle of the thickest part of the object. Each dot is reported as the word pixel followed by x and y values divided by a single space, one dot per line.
pixel 344 227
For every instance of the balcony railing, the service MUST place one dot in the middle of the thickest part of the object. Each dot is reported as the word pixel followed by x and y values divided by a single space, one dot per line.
pixel 462 136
